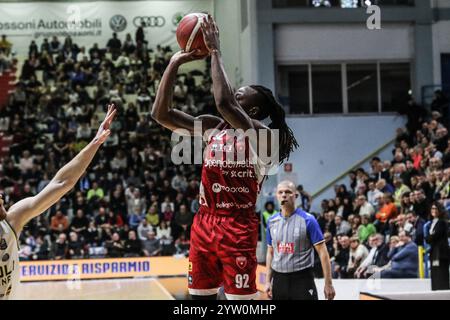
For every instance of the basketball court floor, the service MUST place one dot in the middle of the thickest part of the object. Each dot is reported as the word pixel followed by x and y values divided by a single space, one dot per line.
pixel 175 288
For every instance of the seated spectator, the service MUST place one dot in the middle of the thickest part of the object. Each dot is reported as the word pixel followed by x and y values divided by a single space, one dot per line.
pixel 42 250
pixel 151 246
pixel 414 226
pixel 404 260
pixel 342 226
pixel 92 237
pixel 133 246
pixel 421 204
pixel 96 193
pixel 183 220
pixel 358 253
pixel 163 231
pixel 152 216
pixel 182 245
pixel 341 257
pixel 59 223
pixel 377 256
pixel 387 211
pixel 59 249
pixel 365 208
pixel 75 247
pixel 143 229
pixel 80 223
pixel 400 190
pixel 366 230
pixel 102 220
pixel 114 247
pixel 134 220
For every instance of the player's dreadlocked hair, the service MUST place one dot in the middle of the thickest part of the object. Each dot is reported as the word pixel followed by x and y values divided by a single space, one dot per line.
pixel 275 111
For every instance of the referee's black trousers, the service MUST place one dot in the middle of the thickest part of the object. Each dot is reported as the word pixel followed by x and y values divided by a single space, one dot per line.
pixel 294 285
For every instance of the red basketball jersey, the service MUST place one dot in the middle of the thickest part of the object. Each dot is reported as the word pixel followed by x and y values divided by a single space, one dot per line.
pixel 230 180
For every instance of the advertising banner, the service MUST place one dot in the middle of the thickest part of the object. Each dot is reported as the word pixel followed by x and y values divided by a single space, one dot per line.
pixel 102 268
pixel 94 22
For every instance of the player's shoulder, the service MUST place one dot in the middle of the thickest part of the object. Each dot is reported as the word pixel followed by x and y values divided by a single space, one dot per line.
pixel 305 215
pixel 273 218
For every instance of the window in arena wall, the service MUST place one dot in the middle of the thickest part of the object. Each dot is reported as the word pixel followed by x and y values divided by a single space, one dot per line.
pixel 327 88
pixel 293 88
pixel 361 88
pixel 395 85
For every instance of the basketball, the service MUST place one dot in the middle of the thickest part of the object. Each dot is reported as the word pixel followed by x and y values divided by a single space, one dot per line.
pixel 189 34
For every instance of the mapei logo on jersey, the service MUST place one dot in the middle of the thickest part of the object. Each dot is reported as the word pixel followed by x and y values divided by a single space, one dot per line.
pixel 241 262
pixel 217 187
pixel 286 247
pixel 118 23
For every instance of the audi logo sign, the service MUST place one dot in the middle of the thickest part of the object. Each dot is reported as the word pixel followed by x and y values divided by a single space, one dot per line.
pixel 150 21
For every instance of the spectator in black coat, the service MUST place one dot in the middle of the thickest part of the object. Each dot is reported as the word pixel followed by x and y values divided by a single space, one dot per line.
pixel 439 252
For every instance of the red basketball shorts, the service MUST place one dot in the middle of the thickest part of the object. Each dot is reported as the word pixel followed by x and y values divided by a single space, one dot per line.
pixel 223 253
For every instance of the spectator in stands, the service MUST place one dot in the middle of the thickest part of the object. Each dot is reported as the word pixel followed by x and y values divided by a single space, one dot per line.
pixel 151 246
pixel 358 253
pixel 400 190
pixel 114 247
pixel 5 45
pixel 342 226
pixel 415 227
pixel 439 252
pixel 80 223
pixel 143 229
pixel 59 249
pixel 269 210
pixel 182 245
pixel 403 257
pixel 42 250
pixel 75 247
pixel 421 205
pixel 304 198
pixel 59 223
pixel 364 207
pixel 366 230
pixel 183 218
pixel 387 211
pixel 152 216
pixel 341 257
pixel 133 246
pixel 377 257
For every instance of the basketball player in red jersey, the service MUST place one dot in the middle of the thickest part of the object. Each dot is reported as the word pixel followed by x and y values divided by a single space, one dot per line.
pixel 225 230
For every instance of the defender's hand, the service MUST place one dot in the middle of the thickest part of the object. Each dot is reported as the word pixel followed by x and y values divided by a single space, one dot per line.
pixel 104 131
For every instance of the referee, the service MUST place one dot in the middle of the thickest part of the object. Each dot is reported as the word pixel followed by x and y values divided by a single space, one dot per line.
pixel 291 236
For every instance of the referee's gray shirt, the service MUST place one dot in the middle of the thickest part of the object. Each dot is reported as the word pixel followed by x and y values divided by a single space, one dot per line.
pixel 293 240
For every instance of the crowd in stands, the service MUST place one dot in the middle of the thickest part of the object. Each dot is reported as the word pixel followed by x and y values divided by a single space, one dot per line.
pixel 132 201
pixel 373 226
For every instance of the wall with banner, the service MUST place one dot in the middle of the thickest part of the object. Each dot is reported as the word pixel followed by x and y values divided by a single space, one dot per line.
pixel 94 22
pixel 102 268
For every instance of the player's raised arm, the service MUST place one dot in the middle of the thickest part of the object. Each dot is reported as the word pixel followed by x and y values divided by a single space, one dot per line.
pixel 162 110
pixel 224 96
pixel 65 179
